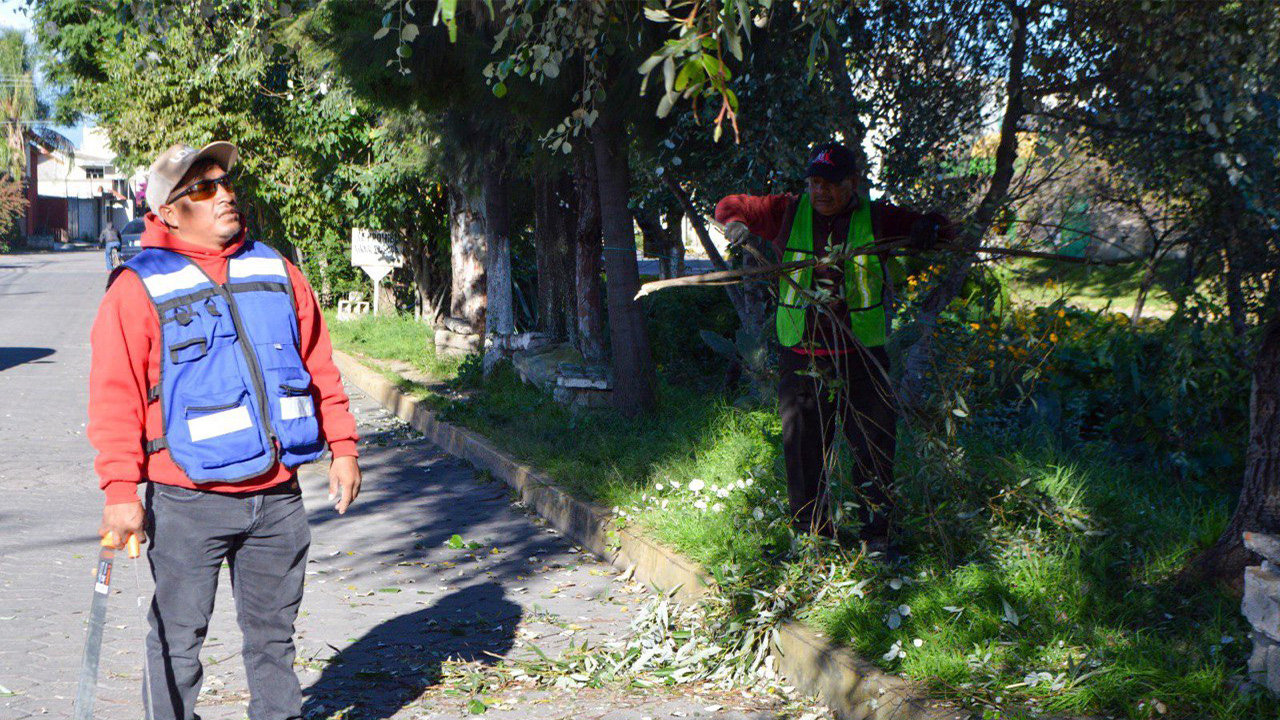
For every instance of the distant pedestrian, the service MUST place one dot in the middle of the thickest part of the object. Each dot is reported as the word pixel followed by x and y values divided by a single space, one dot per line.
pixel 110 240
pixel 212 381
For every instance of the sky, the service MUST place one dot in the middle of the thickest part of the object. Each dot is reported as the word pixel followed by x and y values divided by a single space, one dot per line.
pixel 12 15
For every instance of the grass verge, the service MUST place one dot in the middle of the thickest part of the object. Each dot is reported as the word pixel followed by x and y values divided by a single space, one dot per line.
pixel 1039 576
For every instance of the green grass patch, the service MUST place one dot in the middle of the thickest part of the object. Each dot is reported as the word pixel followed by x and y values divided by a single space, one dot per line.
pixel 398 337
pixel 1094 287
pixel 1066 602
pixel 1039 576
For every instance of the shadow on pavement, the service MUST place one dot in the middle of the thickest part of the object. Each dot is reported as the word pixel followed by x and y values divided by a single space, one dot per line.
pixel 430 496
pixel 391 666
pixel 14 356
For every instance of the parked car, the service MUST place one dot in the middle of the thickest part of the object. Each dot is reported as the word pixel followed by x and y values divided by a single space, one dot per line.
pixel 130 244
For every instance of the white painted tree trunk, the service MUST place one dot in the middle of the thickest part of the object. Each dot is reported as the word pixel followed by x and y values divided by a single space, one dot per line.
pixel 501 323
pixel 468 243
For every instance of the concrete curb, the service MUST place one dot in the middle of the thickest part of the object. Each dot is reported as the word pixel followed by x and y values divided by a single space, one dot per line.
pixel 853 688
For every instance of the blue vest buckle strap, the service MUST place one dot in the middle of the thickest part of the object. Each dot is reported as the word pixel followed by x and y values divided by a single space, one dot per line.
pixel 235 395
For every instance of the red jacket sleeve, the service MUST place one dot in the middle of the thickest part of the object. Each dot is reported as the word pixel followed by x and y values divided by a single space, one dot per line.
pixel 336 421
pixel 762 214
pixel 121 340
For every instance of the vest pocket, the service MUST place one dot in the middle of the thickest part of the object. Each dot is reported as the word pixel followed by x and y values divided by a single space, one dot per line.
pixel 185 335
pixel 188 350
pixel 222 429
pixel 295 410
pixel 295 401
pixel 220 328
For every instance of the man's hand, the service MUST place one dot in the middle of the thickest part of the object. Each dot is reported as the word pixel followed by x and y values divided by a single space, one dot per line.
pixel 344 482
pixel 737 232
pixel 122 521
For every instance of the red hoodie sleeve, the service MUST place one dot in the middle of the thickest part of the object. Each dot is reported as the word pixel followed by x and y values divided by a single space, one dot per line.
pixel 336 421
pixel 121 340
pixel 762 214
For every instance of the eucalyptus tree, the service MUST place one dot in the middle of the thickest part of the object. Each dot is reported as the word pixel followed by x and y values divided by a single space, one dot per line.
pixel 535 43
pixel 420 71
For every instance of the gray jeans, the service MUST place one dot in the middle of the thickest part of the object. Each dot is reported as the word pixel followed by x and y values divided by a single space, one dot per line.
pixel 263 537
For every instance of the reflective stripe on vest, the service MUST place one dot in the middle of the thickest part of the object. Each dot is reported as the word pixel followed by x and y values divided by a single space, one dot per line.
pixel 235 395
pixel 863 279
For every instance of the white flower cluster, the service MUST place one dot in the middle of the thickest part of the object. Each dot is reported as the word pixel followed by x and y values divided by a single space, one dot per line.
pixel 707 497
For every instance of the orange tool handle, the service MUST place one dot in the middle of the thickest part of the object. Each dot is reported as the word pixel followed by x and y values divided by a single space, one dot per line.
pixel 132 545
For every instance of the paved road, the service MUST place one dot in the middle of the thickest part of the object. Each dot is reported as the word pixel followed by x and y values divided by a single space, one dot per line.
pixel 388 601
pixel 692 266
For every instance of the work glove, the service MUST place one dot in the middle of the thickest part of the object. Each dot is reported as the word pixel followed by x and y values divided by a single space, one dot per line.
pixel 737 232
pixel 924 232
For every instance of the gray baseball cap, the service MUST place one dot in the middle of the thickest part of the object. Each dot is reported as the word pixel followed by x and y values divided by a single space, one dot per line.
pixel 167 171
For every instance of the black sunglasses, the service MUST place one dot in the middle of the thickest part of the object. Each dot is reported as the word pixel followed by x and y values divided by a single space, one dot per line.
pixel 204 189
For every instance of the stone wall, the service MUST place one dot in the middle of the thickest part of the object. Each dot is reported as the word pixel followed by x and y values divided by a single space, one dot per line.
pixel 1261 607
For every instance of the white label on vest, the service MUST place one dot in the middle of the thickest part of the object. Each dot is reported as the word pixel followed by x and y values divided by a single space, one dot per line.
pixel 292 408
pixel 219 423
pixel 184 279
pixel 247 267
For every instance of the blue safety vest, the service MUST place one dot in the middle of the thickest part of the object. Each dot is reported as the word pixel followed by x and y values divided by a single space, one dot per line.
pixel 234 393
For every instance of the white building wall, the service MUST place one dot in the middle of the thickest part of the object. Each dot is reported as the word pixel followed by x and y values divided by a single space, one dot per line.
pixel 90 201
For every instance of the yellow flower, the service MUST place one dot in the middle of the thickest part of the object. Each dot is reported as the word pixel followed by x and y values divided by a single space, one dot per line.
pixel 1062 313
pixel 1053 337
pixel 975 326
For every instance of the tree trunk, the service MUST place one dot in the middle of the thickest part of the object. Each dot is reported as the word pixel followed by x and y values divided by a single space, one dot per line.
pixel 501 321
pixel 415 251
pixel 565 212
pixel 634 379
pixel 423 285
pixel 326 282
pixel 497 217
pixel 1144 286
pixel 920 356
pixel 589 310
pixel 657 241
pixel 675 220
pixel 386 298
pixel 1258 509
pixel 1235 290
pixel 555 253
pixel 467 248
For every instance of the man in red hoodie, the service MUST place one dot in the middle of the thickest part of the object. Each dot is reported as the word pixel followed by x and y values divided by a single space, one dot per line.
pixel 212 380
pixel 832 326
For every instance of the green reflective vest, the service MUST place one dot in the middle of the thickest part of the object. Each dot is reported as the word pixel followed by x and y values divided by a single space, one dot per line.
pixel 863 279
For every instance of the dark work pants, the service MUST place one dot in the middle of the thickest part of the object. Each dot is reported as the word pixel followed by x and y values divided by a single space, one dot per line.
pixel 264 538
pixel 813 393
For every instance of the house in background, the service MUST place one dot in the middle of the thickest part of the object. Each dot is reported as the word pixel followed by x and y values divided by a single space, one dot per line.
pixel 72 197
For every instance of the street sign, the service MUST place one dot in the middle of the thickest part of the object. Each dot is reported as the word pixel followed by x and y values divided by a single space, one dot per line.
pixel 374 251
pixel 374 247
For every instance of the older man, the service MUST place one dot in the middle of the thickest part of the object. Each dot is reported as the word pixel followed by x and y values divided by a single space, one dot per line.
pixel 832 326
pixel 212 381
